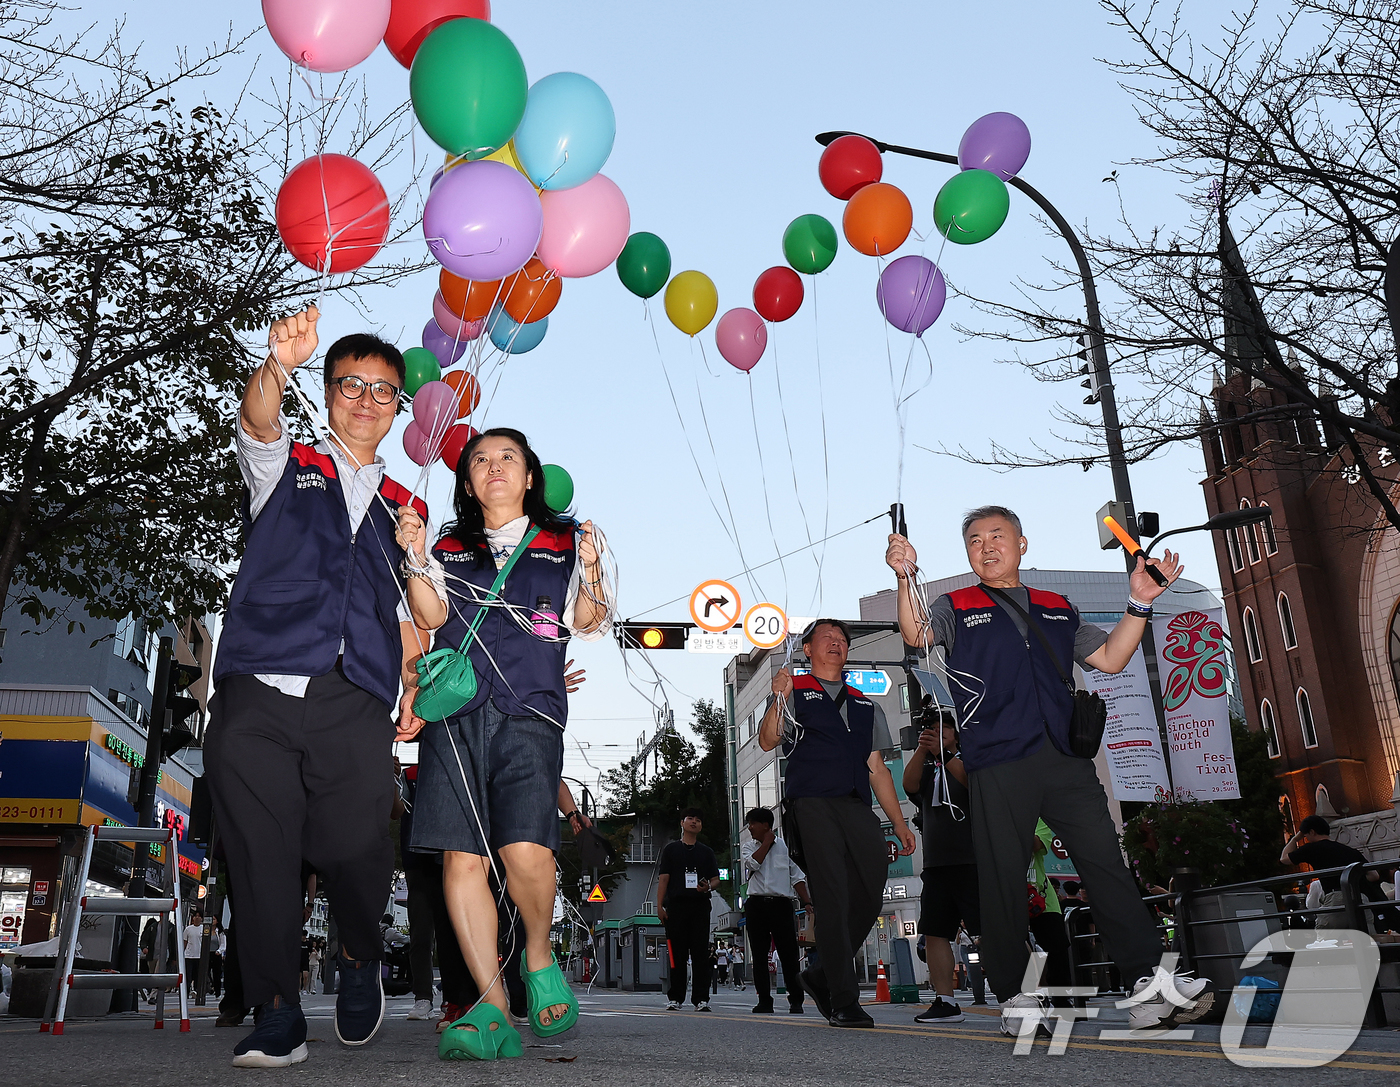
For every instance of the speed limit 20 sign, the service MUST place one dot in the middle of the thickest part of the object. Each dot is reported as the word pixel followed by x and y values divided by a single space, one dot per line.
pixel 765 626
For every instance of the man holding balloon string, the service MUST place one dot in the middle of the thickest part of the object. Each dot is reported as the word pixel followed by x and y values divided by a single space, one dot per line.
pixel 505 588
pixel 308 667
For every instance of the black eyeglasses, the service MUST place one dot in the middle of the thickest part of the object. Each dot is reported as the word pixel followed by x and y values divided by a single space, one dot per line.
pixel 352 388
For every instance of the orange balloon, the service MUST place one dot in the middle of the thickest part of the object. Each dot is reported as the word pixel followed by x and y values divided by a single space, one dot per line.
pixel 878 218
pixel 467 390
pixel 467 298
pixel 532 293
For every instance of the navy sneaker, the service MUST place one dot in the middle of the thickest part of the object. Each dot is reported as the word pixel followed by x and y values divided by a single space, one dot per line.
pixel 278 1038
pixel 359 1001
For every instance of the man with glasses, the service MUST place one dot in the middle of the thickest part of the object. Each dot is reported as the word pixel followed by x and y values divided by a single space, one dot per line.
pixel 314 645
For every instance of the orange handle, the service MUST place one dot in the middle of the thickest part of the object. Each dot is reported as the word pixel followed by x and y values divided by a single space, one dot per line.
pixel 1134 548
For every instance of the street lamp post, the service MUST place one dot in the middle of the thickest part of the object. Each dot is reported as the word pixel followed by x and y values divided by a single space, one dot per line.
pixel 1103 380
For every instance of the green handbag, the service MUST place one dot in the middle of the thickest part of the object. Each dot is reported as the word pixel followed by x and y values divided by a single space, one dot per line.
pixel 446 678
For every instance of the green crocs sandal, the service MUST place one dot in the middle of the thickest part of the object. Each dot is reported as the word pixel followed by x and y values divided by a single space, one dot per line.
pixel 545 988
pixel 483 1034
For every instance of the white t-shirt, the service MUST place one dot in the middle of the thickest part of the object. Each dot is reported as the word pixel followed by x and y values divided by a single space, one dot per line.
pixel 194 935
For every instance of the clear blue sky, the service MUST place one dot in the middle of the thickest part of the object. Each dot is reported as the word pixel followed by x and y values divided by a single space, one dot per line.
pixel 716 108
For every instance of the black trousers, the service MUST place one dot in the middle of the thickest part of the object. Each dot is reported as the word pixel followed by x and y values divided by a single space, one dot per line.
pixel 846 868
pixel 421 873
pixel 688 937
pixel 296 779
pixel 770 921
pixel 1065 791
pixel 1050 933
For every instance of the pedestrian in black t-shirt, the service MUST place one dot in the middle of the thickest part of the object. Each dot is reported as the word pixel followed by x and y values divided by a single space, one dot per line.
pixel 1321 852
pixel 686 874
pixel 934 778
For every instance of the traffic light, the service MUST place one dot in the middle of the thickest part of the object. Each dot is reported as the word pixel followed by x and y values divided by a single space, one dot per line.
pixel 652 635
pixel 180 707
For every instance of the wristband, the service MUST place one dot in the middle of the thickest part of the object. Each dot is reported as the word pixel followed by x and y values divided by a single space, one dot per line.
pixel 1139 610
pixel 572 815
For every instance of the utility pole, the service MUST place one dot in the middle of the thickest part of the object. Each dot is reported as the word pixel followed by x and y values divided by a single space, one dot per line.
pixel 1103 380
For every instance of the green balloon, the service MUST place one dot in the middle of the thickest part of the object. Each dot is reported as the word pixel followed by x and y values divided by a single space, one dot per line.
pixel 971 206
pixel 809 244
pixel 420 367
pixel 468 87
pixel 644 265
pixel 558 487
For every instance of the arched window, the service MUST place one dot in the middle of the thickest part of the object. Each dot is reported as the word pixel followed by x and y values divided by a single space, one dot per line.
pixel 1266 722
pixel 1305 718
pixel 1285 620
pixel 1251 537
pixel 1395 648
pixel 1251 637
pixel 1232 544
pixel 1270 539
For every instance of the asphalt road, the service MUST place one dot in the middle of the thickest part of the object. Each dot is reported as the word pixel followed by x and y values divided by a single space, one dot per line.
pixel 626 1039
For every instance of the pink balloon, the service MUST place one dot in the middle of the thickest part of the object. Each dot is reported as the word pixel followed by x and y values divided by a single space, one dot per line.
pixel 326 35
pixel 434 410
pixel 416 443
pixel 741 337
pixel 452 325
pixel 585 227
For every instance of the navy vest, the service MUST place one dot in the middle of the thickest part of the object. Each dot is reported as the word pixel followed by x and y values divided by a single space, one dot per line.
pixel 830 757
pixel 533 668
pixel 305 583
pixel 1024 697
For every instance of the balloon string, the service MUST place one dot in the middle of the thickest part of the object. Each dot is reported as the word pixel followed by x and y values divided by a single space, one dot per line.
pixel 685 431
pixel 826 451
pixel 767 502
pixel 719 474
pixel 792 461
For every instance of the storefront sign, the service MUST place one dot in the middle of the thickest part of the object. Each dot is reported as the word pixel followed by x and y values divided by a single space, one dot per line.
pixel 11 919
pixel 33 810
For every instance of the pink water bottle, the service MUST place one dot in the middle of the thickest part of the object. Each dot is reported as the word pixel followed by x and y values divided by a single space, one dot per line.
pixel 545 621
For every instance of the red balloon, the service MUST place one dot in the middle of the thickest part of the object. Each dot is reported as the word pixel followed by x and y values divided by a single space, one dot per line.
pixel 777 293
pixel 332 203
pixel 456 440
pixel 410 21
pixel 848 164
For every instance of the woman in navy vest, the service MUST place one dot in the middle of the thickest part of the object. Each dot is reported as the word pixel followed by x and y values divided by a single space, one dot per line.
pixel 489 775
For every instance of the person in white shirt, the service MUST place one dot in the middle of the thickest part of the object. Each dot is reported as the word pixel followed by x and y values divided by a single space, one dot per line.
pixel 194 939
pixel 736 966
pixel 773 881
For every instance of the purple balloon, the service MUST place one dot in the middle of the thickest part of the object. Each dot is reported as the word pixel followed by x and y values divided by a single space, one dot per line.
pixel 435 408
pixel 441 345
pixel 483 220
pixel 910 294
pixel 999 142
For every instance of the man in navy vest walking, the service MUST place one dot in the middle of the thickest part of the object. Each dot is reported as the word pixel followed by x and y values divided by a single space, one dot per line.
pixel 1014 714
pixel 309 665
pixel 833 761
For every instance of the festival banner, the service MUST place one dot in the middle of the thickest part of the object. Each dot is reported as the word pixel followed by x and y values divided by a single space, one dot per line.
pixel 1132 743
pixel 1191 651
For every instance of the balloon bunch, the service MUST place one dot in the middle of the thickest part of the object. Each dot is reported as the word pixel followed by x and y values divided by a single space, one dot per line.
pixel 518 206
pixel 970 207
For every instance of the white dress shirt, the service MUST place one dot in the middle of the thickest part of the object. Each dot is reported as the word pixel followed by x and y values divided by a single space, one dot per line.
pixel 775 875
pixel 263 465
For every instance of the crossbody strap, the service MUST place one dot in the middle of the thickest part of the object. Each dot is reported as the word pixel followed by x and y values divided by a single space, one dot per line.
pixel 1007 600
pixel 496 585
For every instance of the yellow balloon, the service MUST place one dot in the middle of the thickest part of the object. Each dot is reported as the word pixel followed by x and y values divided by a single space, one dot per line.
pixel 691 301
pixel 504 154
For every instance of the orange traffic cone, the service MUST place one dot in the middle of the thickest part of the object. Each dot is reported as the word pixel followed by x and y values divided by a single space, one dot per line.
pixel 882 984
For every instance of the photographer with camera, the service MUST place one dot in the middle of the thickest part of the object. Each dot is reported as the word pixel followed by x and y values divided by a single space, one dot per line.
pixel 935 779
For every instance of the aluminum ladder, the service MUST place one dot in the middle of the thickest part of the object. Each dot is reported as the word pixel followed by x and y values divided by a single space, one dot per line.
pixel 79 903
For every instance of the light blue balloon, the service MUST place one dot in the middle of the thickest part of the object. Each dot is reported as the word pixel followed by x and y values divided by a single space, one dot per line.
pixel 510 336
pixel 567 132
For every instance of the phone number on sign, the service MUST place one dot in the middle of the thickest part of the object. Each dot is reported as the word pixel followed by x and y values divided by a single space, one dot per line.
pixel 37 812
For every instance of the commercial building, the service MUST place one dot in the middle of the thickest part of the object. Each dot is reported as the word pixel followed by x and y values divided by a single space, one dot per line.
pixel 74 710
